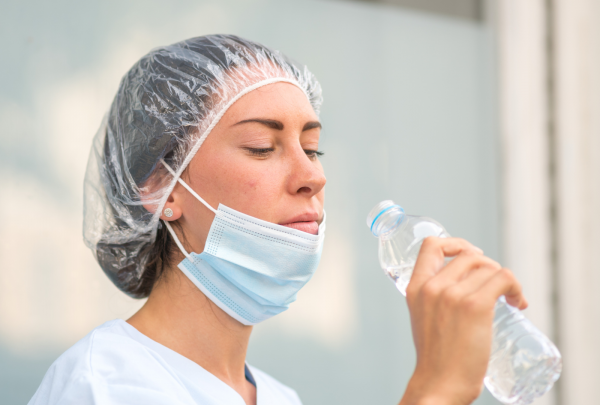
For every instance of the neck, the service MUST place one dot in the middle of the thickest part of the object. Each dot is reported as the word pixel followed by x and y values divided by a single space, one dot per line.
pixel 179 316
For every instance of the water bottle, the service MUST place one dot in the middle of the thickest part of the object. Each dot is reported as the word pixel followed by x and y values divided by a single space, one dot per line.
pixel 524 363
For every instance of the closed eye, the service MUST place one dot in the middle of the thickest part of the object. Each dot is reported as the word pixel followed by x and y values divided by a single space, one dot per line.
pixel 260 152
pixel 313 154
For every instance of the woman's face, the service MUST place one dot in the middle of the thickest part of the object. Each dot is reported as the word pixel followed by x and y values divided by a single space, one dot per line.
pixel 261 159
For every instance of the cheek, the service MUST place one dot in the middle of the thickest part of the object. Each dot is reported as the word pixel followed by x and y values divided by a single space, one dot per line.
pixel 252 183
pixel 236 180
pixel 256 191
pixel 258 185
pixel 223 175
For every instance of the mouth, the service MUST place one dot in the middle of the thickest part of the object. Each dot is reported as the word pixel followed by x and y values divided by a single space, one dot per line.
pixel 305 223
pixel 305 226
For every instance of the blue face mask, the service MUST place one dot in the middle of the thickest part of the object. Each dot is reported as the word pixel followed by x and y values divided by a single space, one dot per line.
pixel 252 269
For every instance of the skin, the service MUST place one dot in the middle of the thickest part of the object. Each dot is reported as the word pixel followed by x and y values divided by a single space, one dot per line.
pixel 261 160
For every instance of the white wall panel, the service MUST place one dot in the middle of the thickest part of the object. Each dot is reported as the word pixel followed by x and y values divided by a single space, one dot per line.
pixel 577 83
pixel 525 166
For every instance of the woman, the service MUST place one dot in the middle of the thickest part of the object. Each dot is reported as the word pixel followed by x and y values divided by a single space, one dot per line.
pixel 204 193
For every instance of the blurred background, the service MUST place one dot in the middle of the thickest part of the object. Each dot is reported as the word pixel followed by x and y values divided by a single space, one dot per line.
pixel 481 114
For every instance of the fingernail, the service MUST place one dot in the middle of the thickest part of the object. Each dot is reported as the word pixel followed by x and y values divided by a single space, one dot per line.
pixel 478 249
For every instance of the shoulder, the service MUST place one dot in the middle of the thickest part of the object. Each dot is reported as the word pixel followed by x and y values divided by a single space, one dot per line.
pixel 106 366
pixel 72 371
pixel 278 392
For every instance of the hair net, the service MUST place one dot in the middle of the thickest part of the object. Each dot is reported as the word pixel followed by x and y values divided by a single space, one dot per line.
pixel 165 107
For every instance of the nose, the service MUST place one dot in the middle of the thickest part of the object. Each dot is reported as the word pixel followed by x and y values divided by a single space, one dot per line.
pixel 306 176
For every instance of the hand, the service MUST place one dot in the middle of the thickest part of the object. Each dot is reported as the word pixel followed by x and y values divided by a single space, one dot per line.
pixel 451 310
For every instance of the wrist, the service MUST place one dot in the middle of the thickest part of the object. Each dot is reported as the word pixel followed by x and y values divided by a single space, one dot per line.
pixel 416 395
pixel 424 392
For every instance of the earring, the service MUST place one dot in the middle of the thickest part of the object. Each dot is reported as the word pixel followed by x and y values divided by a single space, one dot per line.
pixel 168 212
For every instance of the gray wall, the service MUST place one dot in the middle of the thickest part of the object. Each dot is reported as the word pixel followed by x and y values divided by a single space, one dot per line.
pixel 471 9
pixel 408 115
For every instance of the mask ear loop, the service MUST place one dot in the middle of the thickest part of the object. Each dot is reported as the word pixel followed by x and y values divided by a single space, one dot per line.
pixel 184 184
pixel 179 245
pixel 169 227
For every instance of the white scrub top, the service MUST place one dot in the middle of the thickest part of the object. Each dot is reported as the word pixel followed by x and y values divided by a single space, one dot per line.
pixel 116 364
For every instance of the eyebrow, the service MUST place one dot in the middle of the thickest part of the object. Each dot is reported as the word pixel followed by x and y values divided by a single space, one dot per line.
pixel 278 125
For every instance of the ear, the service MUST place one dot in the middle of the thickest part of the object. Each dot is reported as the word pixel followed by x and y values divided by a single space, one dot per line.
pixel 174 208
pixel 173 203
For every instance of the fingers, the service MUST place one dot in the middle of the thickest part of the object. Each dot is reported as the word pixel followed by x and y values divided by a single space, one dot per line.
pixel 464 264
pixel 469 273
pixel 462 276
pixel 502 282
pixel 431 258
pixel 471 283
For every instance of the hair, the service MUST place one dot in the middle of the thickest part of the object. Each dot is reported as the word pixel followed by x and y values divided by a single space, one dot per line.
pixel 160 253
pixel 160 258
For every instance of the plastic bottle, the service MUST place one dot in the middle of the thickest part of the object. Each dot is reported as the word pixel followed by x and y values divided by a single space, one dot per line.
pixel 524 363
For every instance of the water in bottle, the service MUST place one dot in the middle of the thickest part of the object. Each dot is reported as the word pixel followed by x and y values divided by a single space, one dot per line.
pixel 524 363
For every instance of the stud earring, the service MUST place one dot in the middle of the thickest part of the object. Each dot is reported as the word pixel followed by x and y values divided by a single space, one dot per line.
pixel 168 212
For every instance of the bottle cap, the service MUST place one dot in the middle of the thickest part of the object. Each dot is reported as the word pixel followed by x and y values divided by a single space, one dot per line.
pixel 378 211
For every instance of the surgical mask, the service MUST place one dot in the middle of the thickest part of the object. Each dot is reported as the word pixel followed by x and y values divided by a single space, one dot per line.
pixel 252 269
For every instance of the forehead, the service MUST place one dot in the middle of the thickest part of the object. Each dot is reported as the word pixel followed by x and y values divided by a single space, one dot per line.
pixel 280 99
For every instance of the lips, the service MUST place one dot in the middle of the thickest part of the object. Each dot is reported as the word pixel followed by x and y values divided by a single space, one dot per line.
pixel 305 226
pixel 305 222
